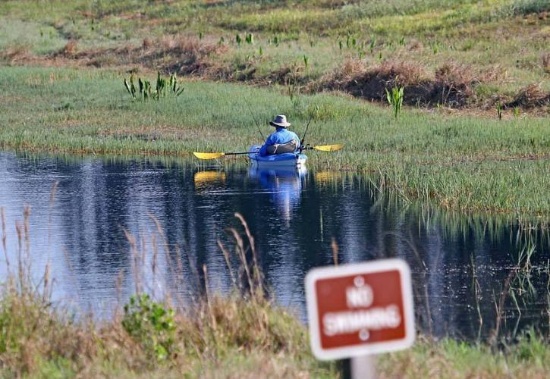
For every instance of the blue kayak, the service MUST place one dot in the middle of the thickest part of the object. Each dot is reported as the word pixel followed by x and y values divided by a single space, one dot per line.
pixel 296 159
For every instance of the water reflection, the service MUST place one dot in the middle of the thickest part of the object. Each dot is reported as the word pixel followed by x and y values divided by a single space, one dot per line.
pixel 207 179
pixel 107 227
pixel 285 186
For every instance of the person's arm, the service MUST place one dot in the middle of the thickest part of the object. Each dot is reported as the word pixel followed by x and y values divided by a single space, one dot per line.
pixel 268 142
pixel 297 139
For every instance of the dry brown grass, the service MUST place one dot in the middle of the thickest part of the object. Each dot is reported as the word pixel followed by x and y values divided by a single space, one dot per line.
pixel 213 334
pixel 371 83
pixel 530 97
pixel 452 85
pixel 33 331
pixel 19 54
pixel 70 49
pixel 182 55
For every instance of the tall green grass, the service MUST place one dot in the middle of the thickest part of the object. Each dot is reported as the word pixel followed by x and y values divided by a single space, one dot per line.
pixel 454 359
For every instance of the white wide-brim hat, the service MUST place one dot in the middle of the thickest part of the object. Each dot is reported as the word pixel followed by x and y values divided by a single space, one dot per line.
pixel 280 120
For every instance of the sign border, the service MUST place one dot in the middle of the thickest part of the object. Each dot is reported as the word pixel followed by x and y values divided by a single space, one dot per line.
pixel 380 265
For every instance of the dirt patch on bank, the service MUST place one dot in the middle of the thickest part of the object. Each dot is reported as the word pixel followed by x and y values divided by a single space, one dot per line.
pixel 180 55
pixel 452 85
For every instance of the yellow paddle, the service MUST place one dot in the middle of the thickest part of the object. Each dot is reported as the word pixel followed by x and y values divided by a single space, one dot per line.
pixel 219 155
pixel 212 155
pixel 335 147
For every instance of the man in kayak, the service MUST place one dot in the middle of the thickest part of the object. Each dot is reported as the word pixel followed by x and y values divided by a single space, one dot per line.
pixel 281 140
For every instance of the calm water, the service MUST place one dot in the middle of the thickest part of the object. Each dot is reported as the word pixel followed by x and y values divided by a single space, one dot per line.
pixel 105 228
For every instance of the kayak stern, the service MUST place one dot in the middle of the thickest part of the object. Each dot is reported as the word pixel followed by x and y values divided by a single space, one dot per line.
pixel 276 160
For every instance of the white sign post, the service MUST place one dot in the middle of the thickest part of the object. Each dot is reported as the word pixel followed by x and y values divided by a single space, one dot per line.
pixel 357 310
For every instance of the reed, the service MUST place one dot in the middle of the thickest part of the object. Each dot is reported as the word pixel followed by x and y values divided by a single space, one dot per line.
pixel 395 99
pixel 153 334
pixel 145 91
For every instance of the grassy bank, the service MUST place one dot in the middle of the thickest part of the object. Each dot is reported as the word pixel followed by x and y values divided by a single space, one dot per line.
pixel 222 338
pixel 476 55
pixel 240 333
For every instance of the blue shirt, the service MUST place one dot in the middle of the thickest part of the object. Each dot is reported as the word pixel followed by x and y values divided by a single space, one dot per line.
pixel 280 136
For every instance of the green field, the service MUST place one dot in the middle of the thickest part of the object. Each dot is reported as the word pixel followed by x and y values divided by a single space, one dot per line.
pixel 471 135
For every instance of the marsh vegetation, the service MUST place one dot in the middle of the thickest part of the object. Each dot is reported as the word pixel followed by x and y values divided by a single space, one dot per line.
pixel 466 130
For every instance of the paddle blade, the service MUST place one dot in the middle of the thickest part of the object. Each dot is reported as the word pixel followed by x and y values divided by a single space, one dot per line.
pixel 208 155
pixel 328 147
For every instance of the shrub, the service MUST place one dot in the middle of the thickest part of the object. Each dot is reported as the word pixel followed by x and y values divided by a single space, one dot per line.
pixel 152 325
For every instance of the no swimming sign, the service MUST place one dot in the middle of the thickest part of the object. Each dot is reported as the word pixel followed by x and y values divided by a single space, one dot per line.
pixel 360 309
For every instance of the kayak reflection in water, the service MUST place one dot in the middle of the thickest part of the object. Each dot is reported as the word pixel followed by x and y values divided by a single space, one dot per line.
pixel 285 185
